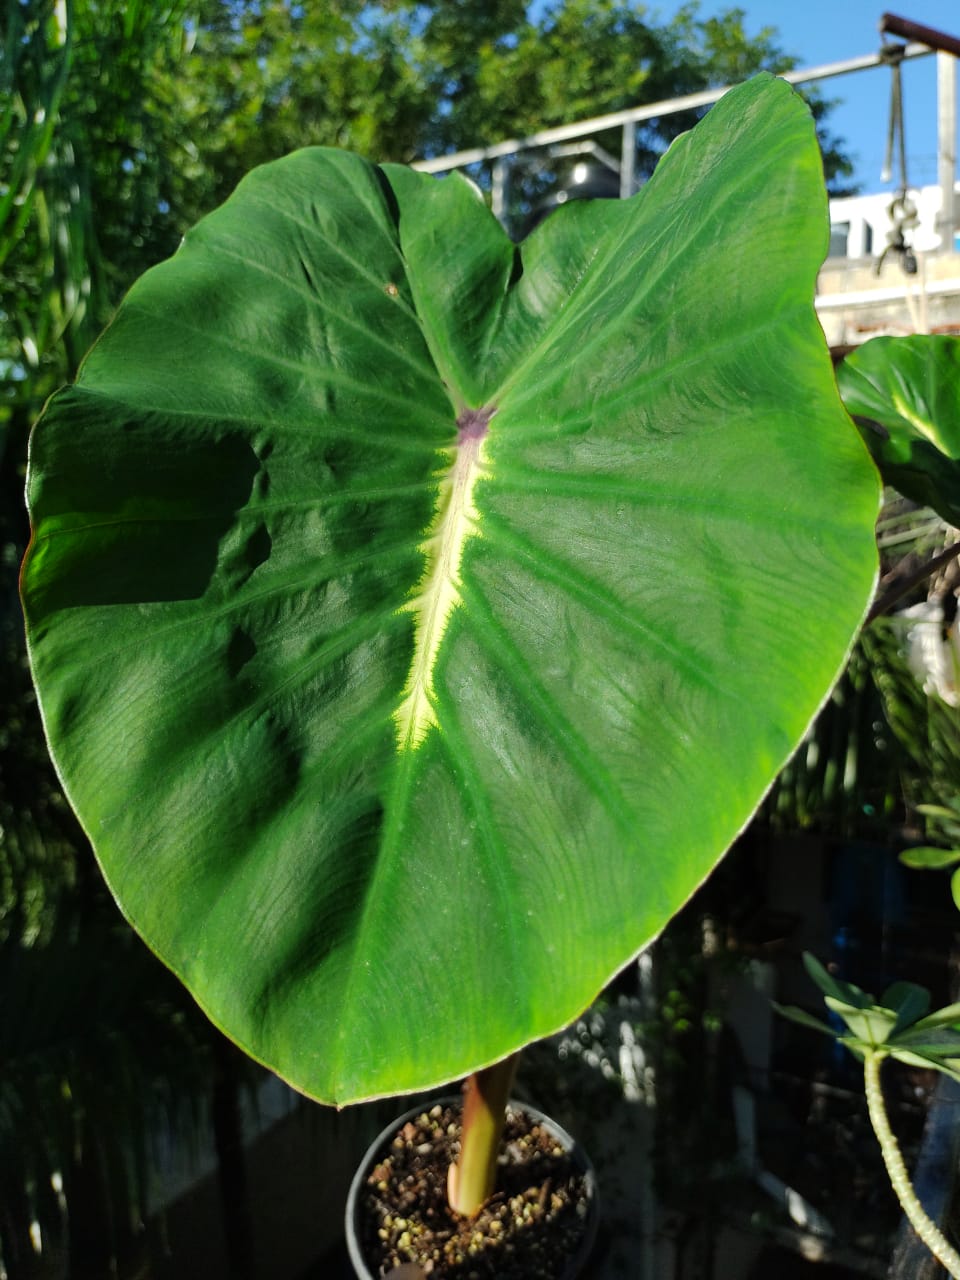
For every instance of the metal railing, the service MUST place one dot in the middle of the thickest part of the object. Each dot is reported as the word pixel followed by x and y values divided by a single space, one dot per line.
pixel 627 120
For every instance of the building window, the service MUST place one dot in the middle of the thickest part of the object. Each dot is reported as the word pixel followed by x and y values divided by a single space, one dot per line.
pixel 839 236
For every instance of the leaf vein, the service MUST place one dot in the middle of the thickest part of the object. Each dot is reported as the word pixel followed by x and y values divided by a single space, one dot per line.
pixel 579 755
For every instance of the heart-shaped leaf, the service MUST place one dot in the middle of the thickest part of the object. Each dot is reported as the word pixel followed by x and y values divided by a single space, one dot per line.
pixel 417 618
pixel 905 395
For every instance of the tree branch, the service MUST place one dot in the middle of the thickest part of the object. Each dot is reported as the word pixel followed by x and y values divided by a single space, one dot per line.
pixel 884 603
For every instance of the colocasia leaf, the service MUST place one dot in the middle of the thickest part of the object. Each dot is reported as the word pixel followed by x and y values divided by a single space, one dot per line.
pixel 417 617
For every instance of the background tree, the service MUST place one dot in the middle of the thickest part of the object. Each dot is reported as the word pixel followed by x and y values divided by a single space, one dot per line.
pixel 100 1047
pixel 402 80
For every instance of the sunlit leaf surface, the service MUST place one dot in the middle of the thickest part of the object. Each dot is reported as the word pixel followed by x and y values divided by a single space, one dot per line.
pixel 905 395
pixel 417 618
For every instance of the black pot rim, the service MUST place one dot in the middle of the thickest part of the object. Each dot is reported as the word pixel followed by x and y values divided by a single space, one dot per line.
pixel 570 1144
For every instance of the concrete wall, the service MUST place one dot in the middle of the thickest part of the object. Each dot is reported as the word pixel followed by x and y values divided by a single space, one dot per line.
pixel 855 303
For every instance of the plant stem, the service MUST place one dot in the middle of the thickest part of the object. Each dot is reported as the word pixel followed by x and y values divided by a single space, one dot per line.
pixel 927 1230
pixel 471 1180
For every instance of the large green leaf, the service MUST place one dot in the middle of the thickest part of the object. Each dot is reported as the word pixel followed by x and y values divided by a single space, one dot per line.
pixel 905 395
pixel 417 618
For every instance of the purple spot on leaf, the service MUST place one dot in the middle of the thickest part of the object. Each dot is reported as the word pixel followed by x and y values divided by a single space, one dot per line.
pixel 473 424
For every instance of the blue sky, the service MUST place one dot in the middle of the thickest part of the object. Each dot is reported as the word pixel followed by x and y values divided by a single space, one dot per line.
pixel 819 31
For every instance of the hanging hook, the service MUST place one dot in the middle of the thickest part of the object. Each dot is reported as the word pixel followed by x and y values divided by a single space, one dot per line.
pixel 892 55
pixel 902 211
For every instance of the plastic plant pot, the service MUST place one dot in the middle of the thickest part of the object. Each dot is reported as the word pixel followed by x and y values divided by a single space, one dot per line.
pixel 572 1267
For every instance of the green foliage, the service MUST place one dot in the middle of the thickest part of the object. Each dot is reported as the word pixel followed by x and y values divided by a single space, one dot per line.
pixel 37 41
pixel 125 121
pixel 120 122
pixel 898 1025
pixel 100 1050
pixel 925 726
pixel 930 858
pixel 409 713
pixel 345 74
pixel 943 823
pixel 95 186
pixel 847 776
pixel 42 849
pixel 398 81
pixel 100 1056
pixel 905 395
pixel 79 134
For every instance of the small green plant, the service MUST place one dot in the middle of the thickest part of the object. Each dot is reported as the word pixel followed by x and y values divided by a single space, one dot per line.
pixel 944 821
pixel 407 607
pixel 904 395
pixel 900 1026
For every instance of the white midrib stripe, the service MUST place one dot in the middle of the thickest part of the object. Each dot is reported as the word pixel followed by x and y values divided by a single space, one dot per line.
pixel 438 592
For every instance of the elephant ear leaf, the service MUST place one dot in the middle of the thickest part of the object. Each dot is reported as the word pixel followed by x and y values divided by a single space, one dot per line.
pixel 417 617
pixel 904 395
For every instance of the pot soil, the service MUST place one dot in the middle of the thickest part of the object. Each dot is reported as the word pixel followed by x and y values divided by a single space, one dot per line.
pixel 538 1225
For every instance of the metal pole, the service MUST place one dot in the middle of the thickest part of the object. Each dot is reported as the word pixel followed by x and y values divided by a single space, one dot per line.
pixel 892 24
pixel 628 159
pixel 947 148
pixel 651 111
pixel 498 192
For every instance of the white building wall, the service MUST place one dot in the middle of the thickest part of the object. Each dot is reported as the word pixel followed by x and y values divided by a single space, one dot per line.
pixel 862 224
